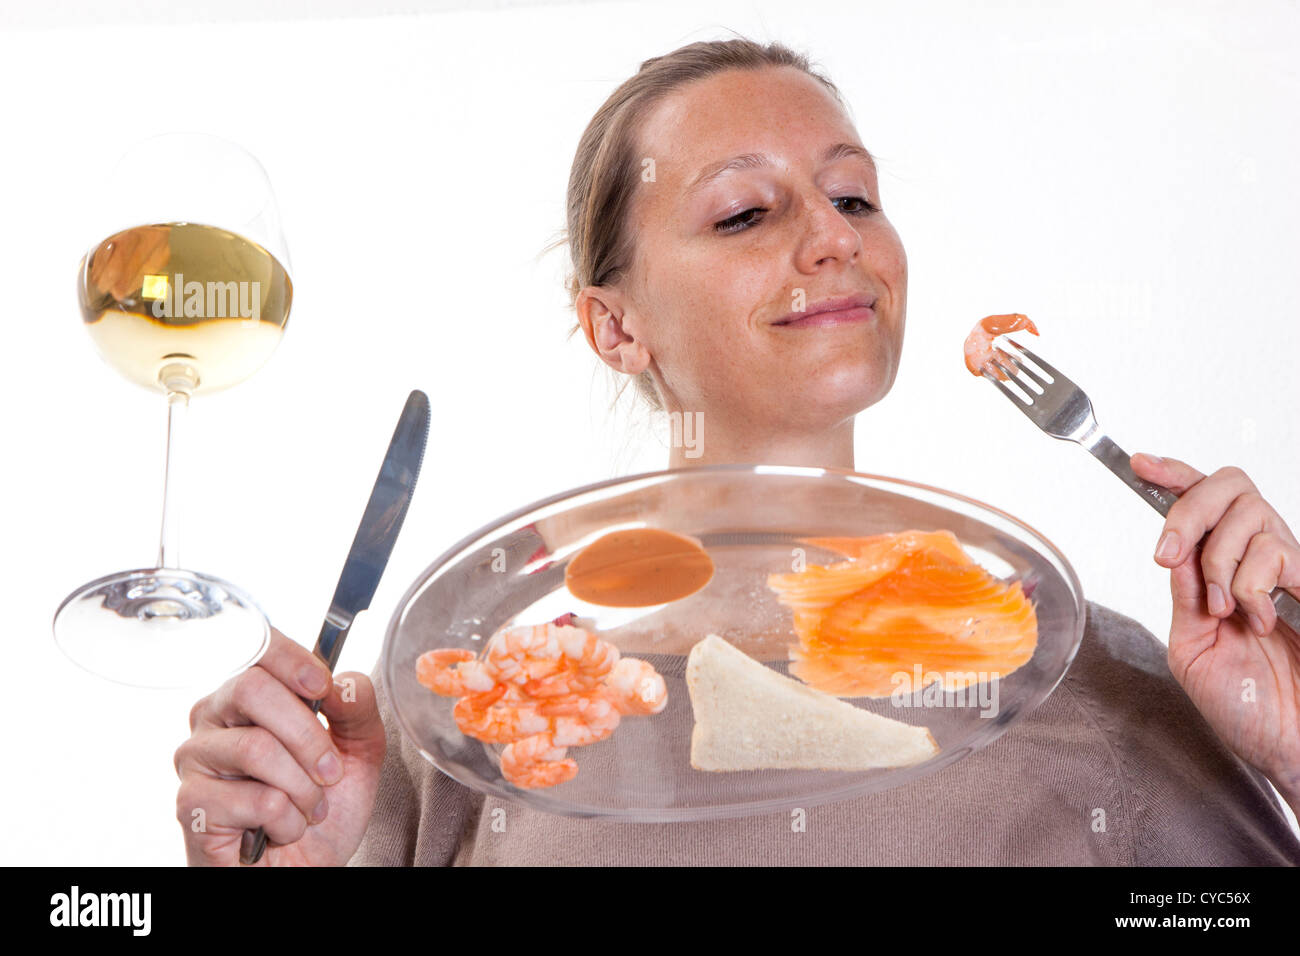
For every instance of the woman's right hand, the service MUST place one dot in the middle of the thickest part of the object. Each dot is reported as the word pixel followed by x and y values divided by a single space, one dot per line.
pixel 257 756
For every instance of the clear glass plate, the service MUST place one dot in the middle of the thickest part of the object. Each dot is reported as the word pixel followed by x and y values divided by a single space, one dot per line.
pixel 750 519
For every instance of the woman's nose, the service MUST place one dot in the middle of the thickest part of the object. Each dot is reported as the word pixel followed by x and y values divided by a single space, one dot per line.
pixel 825 234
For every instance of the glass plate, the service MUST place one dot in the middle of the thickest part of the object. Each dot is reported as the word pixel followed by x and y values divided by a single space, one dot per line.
pixel 750 519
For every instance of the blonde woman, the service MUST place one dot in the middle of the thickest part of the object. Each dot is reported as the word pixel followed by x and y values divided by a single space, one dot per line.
pixel 685 282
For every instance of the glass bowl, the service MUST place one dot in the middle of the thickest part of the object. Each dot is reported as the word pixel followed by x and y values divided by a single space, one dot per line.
pixel 750 518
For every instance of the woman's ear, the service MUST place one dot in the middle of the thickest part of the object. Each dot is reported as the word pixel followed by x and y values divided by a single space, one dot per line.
pixel 602 317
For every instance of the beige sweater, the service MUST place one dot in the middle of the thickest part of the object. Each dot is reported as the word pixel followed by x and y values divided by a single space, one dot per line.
pixel 1118 734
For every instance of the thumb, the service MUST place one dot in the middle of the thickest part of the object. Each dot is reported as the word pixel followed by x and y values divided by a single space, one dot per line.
pixel 1177 476
pixel 353 713
pixel 1191 615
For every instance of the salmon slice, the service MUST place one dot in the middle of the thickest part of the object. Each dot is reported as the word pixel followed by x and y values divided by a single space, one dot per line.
pixel 904 600
pixel 898 543
pixel 873 558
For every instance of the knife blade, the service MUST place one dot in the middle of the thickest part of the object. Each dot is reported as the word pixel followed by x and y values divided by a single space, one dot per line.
pixel 368 556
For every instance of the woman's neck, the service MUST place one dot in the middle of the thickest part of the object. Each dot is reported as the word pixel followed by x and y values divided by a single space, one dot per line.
pixel 692 444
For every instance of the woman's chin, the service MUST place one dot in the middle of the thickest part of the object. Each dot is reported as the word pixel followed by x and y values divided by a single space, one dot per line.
pixel 827 403
pixel 847 387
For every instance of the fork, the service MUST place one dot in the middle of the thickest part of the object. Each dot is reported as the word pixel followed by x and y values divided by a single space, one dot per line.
pixel 1063 410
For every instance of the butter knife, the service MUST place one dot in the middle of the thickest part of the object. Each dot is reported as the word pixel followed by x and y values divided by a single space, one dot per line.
pixel 376 535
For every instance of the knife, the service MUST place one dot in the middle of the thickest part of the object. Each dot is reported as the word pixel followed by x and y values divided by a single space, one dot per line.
pixel 371 547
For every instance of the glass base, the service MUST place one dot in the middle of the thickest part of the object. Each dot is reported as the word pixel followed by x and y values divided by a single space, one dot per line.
pixel 161 627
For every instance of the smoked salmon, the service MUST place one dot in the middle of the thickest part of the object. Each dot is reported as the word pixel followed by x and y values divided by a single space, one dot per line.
pixel 903 602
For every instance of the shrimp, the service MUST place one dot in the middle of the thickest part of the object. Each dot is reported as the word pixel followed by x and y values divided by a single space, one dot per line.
pixel 535 652
pixel 452 672
pixel 634 687
pixel 979 344
pixel 513 655
pixel 581 719
pixel 590 655
pixel 488 718
pixel 562 682
pixel 536 761
pixel 540 689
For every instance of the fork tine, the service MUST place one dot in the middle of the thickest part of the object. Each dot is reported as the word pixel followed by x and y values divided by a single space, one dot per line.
pixel 1000 359
pixel 1041 363
pixel 1027 372
pixel 1061 409
pixel 1006 389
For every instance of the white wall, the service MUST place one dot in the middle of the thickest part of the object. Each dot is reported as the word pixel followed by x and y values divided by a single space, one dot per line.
pixel 1123 173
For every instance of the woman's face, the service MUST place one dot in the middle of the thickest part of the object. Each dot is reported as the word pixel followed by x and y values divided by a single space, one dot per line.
pixel 722 258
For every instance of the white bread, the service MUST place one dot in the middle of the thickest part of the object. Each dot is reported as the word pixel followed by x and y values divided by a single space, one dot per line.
pixel 749 717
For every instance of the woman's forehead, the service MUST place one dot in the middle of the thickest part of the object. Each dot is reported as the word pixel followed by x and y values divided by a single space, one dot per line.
pixel 745 119
pixel 833 152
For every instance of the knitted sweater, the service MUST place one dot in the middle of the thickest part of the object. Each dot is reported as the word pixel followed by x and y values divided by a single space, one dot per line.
pixel 1116 767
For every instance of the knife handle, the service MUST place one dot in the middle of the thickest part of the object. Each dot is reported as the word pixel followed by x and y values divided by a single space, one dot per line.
pixel 328 647
pixel 1161 498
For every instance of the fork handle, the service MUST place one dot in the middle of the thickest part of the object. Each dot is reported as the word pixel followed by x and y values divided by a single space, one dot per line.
pixel 1116 459
pixel 1161 498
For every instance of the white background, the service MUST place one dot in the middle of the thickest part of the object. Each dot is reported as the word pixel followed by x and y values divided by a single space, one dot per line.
pixel 1121 172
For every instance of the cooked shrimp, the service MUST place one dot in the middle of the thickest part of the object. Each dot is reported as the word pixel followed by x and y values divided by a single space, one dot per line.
pixel 513 654
pixel 536 762
pixel 634 687
pixel 452 672
pixel 540 689
pixel 979 344
pixel 581 719
pixel 488 718
pixel 566 681
pixel 590 655
pixel 592 718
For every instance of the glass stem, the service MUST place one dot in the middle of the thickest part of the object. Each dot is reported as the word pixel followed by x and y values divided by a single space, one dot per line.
pixel 179 381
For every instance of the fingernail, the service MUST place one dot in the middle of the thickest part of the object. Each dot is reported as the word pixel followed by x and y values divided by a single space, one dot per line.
pixel 1217 603
pixel 1257 624
pixel 318 814
pixel 1168 548
pixel 329 768
pixel 1154 459
pixel 313 679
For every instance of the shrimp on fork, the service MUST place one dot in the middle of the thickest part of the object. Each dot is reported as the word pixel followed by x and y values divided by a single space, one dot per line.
pixel 979 344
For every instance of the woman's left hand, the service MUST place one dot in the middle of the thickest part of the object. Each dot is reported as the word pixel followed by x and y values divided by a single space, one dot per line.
pixel 1244 678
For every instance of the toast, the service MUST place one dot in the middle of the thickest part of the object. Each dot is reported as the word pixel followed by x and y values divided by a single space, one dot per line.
pixel 749 717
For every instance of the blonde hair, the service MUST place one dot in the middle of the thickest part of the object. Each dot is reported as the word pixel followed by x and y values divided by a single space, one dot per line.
pixel 606 170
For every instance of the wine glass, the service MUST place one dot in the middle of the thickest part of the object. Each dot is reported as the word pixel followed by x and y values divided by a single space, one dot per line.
pixel 184 289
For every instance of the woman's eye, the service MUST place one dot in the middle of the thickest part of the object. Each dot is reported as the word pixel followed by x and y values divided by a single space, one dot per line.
pixel 740 221
pixel 857 206
pixel 864 206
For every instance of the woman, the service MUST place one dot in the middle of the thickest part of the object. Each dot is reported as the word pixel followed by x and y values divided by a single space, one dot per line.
pixel 725 225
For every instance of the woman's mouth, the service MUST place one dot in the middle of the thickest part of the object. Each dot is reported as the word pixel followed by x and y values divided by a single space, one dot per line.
pixel 831 312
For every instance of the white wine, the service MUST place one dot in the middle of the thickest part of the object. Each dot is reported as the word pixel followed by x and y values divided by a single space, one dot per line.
pixel 207 305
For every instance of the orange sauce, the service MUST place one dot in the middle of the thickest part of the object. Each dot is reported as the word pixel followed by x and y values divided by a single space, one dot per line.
pixel 638 567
